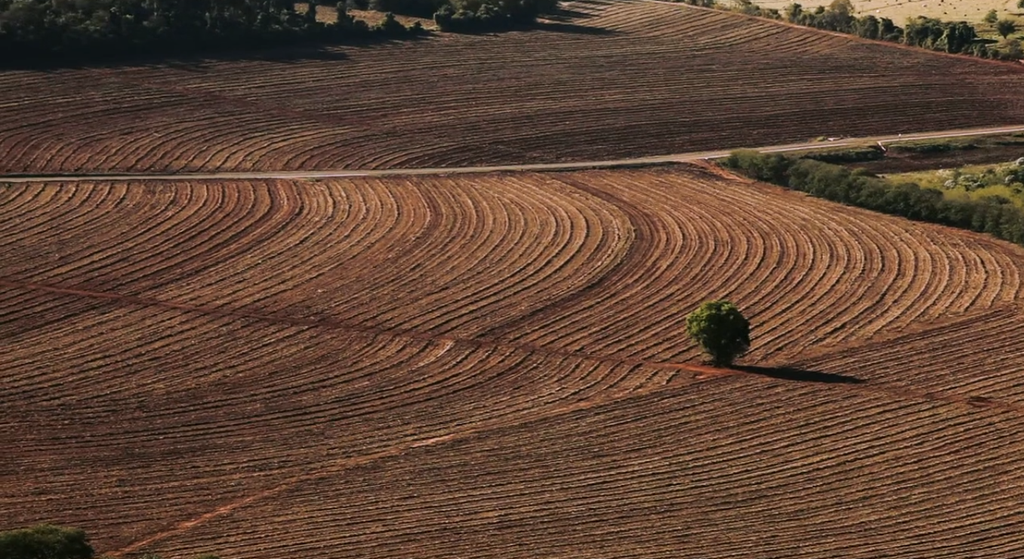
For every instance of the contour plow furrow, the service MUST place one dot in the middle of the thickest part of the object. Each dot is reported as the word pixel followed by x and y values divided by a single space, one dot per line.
pixel 638 79
pixel 943 359
pixel 641 476
pixel 497 365
pixel 385 394
pixel 844 278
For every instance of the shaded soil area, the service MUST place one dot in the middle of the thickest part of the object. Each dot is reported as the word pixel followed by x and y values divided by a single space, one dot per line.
pixel 800 375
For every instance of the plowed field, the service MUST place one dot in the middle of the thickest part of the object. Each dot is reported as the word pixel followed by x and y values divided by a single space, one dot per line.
pixel 496 366
pixel 615 80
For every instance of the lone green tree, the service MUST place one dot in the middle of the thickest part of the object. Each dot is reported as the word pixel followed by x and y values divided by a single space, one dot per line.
pixel 45 542
pixel 721 330
pixel 1006 27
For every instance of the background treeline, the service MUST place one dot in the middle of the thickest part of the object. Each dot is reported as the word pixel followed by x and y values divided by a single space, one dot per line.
pixel 46 541
pixel 470 16
pixel 930 33
pixel 862 189
pixel 36 31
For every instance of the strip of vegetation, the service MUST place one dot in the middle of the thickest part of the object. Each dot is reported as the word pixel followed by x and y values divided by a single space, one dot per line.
pixel 931 146
pixel 35 32
pixel 45 541
pixel 848 155
pixel 865 190
pixel 953 37
pixel 469 16
pixel 1002 183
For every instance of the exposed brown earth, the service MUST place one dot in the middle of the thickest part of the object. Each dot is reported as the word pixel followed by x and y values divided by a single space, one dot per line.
pixel 496 366
pixel 612 80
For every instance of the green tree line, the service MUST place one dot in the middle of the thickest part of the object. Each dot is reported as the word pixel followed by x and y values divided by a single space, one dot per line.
pixel 470 16
pixel 862 189
pixel 37 31
pixel 954 37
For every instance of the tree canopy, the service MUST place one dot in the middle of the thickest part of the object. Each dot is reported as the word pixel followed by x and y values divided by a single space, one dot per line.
pixel 45 541
pixel 721 330
pixel 1005 27
pixel 45 31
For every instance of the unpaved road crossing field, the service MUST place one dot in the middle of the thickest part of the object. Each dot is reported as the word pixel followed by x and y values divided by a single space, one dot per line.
pixel 496 366
pixel 615 80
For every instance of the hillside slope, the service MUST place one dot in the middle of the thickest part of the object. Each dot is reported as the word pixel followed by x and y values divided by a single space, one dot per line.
pixel 614 80
pixel 496 366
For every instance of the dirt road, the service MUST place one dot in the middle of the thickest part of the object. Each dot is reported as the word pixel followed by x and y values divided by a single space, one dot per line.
pixel 566 166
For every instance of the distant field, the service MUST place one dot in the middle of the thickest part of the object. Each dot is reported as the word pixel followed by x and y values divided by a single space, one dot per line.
pixel 900 10
pixel 614 80
pixel 496 366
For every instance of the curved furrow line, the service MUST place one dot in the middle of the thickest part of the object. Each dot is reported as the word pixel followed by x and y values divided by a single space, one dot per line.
pixel 108 264
pixel 199 158
pixel 651 238
pixel 128 230
pixel 834 268
pixel 288 243
pixel 604 477
pixel 661 296
pixel 73 207
pixel 425 263
pixel 639 89
pixel 507 262
pixel 19 203
pixel 147 142
pixel 555 245
pixel 971 356
pixel 737 265
pixel 532 264
pixel 242 154
pixel 118 445
pixel 152 153
pixel 438 365
pixel 818 272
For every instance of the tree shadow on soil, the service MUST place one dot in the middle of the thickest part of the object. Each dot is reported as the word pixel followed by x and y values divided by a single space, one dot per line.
pixel 800 375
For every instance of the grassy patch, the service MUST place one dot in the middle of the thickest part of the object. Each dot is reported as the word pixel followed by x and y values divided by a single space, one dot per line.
pixel 981 203
pixel 931 146
pixel 984 183
pixel 847 155
pixel 949 10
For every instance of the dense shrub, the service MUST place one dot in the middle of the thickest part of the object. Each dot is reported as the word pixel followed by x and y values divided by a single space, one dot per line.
pixel 474 16
pixel 54 542
pixel 45 542
pixel 721 330
pixel 486 18
pixel 391 27
pixel 749 8
pixel 418 8
pixel 851 155
pixel 953 37
pixel 47 31
pixel 862 189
